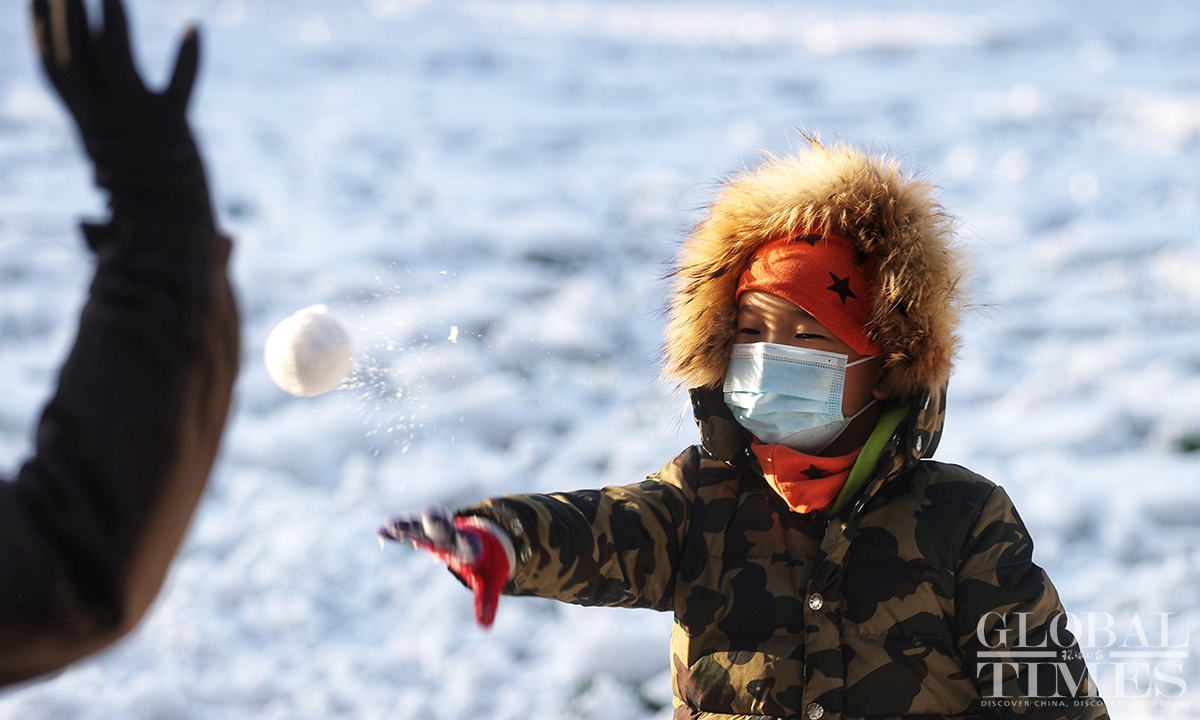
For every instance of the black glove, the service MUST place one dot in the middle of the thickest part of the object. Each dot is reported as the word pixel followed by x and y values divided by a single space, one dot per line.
pixel 139 140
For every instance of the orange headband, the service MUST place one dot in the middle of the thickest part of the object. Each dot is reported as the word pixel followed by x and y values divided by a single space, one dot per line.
pixel 819 273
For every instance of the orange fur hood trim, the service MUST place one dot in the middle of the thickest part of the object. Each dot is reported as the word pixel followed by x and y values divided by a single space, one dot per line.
pixel 905 238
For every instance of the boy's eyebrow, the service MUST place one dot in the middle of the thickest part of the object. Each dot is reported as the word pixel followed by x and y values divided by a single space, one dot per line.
pixel 802 315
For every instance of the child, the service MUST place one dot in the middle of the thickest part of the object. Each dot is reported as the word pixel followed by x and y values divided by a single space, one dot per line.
pixel 818 564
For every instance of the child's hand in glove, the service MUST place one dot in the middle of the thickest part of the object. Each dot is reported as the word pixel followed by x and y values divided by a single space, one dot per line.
pixel 474 548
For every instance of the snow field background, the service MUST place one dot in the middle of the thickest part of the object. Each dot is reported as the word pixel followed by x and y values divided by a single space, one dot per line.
pixel 518 175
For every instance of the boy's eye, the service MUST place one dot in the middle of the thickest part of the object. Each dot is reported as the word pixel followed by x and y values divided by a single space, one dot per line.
pixel 808 336
pixel 750 331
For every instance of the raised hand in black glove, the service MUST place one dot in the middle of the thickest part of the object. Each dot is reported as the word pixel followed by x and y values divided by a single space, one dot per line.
pixel 139 140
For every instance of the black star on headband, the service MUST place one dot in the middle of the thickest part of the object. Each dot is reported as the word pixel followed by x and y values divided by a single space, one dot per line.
pixel 841 286
pixel 811 239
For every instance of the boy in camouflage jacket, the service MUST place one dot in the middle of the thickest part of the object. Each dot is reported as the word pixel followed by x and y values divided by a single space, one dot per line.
pixel 873 582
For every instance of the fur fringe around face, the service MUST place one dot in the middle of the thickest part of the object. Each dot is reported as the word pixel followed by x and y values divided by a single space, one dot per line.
pixel 901 232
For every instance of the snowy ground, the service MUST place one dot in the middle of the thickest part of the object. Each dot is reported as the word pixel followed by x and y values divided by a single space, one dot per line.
pixel 523 172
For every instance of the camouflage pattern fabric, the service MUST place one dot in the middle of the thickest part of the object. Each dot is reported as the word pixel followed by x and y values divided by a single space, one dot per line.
pixel 873 612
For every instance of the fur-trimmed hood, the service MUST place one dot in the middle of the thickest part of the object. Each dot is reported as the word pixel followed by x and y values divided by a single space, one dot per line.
pixel 902 234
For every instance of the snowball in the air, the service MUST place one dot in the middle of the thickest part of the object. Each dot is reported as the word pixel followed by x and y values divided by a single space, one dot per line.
pixel 308 353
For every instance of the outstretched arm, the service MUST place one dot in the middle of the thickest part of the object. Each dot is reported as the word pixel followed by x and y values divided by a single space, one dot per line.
pixel 616 546
pixel 123 450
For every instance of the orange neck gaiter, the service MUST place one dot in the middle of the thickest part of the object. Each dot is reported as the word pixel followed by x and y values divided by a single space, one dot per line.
pixel 805 482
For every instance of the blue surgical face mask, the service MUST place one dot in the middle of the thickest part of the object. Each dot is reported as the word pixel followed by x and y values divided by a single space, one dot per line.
pixel 788 395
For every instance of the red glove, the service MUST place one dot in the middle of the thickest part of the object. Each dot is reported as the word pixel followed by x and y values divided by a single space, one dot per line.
pixel 474 548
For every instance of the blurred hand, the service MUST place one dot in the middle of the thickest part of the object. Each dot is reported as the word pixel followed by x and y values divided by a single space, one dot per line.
pixel 474 548
pixel 139 140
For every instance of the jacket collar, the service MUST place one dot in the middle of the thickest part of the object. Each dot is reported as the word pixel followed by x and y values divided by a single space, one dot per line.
pixel 916 437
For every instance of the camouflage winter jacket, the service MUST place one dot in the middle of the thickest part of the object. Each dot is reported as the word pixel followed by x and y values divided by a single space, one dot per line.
pixel 872 612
